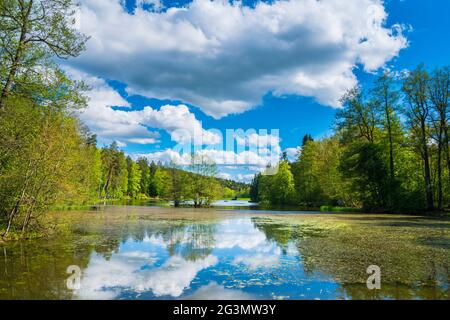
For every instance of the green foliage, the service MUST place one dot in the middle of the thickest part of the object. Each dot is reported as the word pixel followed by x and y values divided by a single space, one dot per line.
pixel 317 177
pixel 255 187
pixel 364 165
pixel 45 157
pixel 228 193
pixel 134 178
pixel 144 182
pixel 152 183
pixel 390 151
pixel 339 209
pixel 160 182
pixel 32 33
pixel 44 160
pixel 114 181
pixel 278 188
pixel 307 138
pixel 203 187
pixel 177 187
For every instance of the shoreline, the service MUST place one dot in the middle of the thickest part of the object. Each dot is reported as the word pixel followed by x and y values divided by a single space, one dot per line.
pixel 58 227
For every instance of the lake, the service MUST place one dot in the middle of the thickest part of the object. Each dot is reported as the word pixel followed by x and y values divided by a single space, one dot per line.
pixel 138 252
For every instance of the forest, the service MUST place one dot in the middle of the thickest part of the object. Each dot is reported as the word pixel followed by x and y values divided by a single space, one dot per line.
pixel 389 151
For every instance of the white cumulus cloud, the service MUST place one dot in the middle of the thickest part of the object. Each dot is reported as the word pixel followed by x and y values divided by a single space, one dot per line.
pixel 224 57
pixel 135 126
pixel 219 157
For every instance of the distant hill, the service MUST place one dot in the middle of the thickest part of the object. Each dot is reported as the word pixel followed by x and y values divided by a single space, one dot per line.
pixel 234 185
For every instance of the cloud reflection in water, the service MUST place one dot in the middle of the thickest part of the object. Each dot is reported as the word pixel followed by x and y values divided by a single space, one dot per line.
pixel 167 263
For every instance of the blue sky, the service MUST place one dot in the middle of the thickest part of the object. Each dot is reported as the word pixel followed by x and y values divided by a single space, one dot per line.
pixel 145 56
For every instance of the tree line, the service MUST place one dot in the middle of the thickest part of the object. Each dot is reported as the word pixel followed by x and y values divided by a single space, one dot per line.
pixel 121 177
pixel 389 151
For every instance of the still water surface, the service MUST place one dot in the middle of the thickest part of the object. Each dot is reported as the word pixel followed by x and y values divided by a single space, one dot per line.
pixel 127 252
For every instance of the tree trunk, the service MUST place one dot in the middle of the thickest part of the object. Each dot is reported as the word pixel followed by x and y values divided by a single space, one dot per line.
pixel 442 147
pixel 15 210
pixel 446 149
pixel 439 171
pixel 27 221
pixel 11 219
pixel 389 127
pixel 426 160
pixel 108 180
pixel 391 146
pixel 17 57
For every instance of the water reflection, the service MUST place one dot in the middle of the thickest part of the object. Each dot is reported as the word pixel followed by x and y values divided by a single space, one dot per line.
pixel 186 261
pixel 129 253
